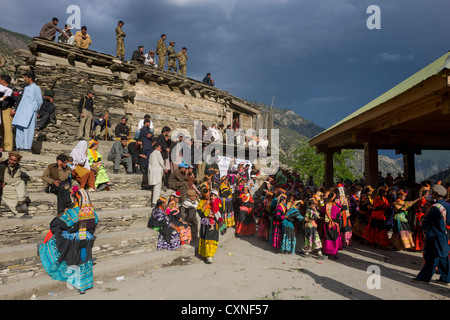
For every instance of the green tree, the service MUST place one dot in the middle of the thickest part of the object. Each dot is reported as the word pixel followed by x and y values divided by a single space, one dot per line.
pixel 309 163
pixel 341 168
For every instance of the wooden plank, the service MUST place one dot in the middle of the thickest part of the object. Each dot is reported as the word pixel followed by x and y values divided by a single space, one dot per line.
pixel 445 107
pixel 195 87
pixel 185 84
pixel 402 117
pixel 173 82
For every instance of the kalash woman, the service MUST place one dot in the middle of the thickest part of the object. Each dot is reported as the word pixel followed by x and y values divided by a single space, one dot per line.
pixel 289 238
pixel 246 223
pixel 332 241
pixel 375 232
pixel 209 233
pixel 278 217
pixel 226 194
pixel 169 237
pixel 401 238
pixel 365 209
pixel 66 253
pixel 173 212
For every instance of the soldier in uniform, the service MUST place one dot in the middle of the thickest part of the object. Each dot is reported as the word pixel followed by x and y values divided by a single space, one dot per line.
pixel 182 59
pixel 171 57
pixel 161 52
pixel 120 35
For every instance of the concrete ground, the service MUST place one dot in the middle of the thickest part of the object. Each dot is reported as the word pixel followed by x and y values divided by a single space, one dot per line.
pixel 249 269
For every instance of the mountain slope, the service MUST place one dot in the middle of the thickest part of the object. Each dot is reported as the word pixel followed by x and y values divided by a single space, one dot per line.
pixel 10 41
pixel 285 118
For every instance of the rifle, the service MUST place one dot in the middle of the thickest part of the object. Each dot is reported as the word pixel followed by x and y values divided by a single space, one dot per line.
pixel 106 127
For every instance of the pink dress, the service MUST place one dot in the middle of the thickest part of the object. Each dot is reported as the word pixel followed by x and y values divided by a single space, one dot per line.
pixel 332 241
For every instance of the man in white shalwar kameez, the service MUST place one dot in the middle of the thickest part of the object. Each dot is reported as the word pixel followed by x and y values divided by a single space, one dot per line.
pixel 156 170
pixel 26 113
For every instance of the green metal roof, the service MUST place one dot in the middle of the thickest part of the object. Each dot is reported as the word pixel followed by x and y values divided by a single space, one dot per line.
pixel 432 69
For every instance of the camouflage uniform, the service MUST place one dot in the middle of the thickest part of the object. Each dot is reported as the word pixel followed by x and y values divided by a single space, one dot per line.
pixel 161 51
pixel 171 58
pixel 120 43
pixel 182 59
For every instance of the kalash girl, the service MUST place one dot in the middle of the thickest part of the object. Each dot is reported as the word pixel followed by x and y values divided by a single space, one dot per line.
pixel 216 205
pixel 209 237
pixel 312 239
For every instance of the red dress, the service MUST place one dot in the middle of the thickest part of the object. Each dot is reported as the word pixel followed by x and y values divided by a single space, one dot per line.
pixel 375 232
pixel 418 235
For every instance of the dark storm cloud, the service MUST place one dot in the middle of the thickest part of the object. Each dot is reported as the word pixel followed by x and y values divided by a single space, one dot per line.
pixel 315 57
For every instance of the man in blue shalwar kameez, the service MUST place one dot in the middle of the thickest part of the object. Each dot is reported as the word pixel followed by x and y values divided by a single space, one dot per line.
pixel 436 245
pixel 26 113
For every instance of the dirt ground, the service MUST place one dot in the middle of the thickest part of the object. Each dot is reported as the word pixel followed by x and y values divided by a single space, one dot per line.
pixel 249 269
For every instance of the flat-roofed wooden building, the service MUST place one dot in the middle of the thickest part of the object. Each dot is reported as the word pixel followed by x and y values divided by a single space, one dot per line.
pixel 411 117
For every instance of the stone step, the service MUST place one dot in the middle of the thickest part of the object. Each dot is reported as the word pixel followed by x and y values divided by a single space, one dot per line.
pixel 24 231
pixel 121 180
pixel 52 148
pixel 43 203
pixel 15 231
pixel 45 153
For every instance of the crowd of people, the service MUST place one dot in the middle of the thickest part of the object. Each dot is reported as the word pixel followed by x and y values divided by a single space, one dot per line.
pixel 279 209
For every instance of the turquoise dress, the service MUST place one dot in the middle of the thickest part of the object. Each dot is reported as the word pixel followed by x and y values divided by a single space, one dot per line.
pixel 288 239
pixel 67 255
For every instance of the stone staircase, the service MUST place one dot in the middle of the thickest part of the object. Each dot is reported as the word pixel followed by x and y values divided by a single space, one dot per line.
pixel 123 238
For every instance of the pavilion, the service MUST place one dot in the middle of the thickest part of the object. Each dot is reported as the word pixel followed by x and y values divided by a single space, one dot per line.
pixel 411 117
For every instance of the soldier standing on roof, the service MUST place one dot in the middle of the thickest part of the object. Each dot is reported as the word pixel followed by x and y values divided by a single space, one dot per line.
pixel 182 59
pixel 171 57
pixel 120 35
pixel 161 52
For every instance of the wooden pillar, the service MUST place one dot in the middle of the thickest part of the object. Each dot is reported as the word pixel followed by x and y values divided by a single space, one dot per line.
pixel 409 166
pixel 371 164
pixel 328 176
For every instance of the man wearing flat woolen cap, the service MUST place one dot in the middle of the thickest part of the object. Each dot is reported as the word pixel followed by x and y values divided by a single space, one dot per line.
pixel 178 182
pixel 436 239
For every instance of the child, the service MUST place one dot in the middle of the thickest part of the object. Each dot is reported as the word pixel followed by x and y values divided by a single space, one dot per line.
pixel 216 204
pixel 312 239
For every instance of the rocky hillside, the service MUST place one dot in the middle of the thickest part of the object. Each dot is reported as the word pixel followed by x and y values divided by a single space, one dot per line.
pixel 433 165
pixel 10 41
pixel 288 119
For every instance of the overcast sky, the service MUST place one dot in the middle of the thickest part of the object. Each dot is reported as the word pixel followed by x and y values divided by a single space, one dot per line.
pixel 317 58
